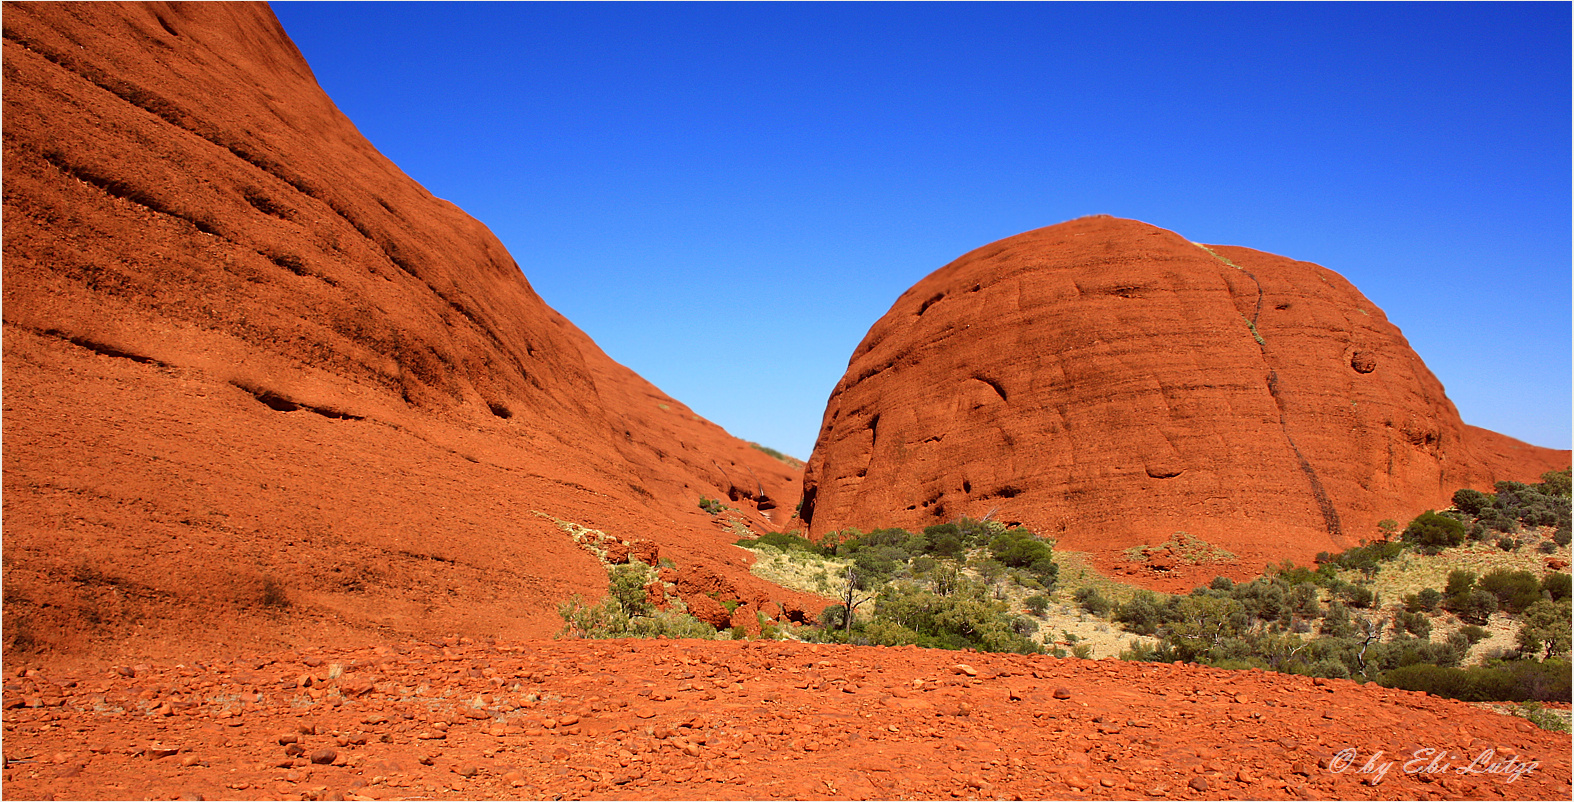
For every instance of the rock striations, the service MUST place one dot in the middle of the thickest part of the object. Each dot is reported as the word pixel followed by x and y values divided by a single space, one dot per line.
pixel 1109 384
pixel 263 388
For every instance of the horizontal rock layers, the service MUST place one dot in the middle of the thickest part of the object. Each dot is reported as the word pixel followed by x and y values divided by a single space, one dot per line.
pixel 261 386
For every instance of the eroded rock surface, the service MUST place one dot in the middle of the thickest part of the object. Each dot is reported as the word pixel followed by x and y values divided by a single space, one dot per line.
pixel 1110 384
pixel 263 388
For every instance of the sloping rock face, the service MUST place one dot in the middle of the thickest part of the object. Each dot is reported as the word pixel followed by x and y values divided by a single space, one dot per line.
pixel 262 388
pixel 1110 384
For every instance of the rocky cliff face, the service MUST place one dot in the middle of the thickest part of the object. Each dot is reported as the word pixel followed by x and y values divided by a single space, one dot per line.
pixel 262 386
pixel 1110 384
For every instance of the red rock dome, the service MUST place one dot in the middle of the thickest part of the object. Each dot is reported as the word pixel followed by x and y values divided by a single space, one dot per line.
pixel 263 389
pixel 1109 383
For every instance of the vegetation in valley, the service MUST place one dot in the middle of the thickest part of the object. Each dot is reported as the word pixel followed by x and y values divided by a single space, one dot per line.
pixel 1335 621
pixel 1457 603
pixel 957 585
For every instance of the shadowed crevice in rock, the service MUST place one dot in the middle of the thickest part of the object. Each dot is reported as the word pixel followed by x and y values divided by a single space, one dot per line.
pixel 1324 504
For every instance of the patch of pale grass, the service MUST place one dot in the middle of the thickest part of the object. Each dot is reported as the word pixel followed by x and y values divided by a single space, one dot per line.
pixel 800 570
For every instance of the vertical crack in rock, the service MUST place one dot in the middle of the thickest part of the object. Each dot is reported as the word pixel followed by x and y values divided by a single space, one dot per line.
pixel 1325 504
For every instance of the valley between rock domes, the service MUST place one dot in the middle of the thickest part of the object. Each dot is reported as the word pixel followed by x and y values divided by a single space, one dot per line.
pixel 293 450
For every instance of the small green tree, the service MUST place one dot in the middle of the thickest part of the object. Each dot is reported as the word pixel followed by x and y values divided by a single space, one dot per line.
pixel 1546 629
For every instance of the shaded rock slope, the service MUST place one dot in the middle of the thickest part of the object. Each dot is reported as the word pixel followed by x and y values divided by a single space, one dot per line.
pixel 1110 384
pixel 263 389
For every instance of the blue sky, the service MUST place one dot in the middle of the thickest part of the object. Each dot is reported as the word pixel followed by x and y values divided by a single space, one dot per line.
pixel 726 196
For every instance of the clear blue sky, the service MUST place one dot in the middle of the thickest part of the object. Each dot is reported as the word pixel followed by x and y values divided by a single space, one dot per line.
pixel 726 197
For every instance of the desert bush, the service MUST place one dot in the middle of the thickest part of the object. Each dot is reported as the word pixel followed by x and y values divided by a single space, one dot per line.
pixel 1557 585
pixel 944 540
pixel 1515 590
pixel 786 542
pixel 1460 581
pixel 1416 624
pixel 1037 604
pixel 1473 502
pixel 1533 712
pixel 1545 628
pixel 1142 614
pixel 1427 600
pixel 712 506
pixel 1337 622
pixel 1367 558
pixel 1474 606
pixel 626 585
pixel 1469 685
pixel 1474 634
pixel 1092 601
pixel 1432 532
pixel 1360 596
pixel 967 618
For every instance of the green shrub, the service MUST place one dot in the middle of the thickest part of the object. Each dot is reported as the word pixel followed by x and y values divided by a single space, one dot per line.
pixel 1038 604
pixel 1473 502
pixel 1533 712
pixel 1426 601
pixel 1465 684
pixel 1416 624
pixel 1474 606
pixel 1474 634
pixel 1142 614
pixel 1460 581
pixel 944 540
pixel 1515 590
pixel 1360 596
pixel 1433 532
pixel 1092 601
pixel 712 506
pixel 786 542
pixel 626 585
pixel 1511 681
pixel 1557 585
pixel 1019 548
pixel 1337 622
pixel 1367 558
pixel 607 620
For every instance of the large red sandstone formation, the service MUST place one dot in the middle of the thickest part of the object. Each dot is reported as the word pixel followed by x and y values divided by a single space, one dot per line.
pixel 262 388
pixel 1110 384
